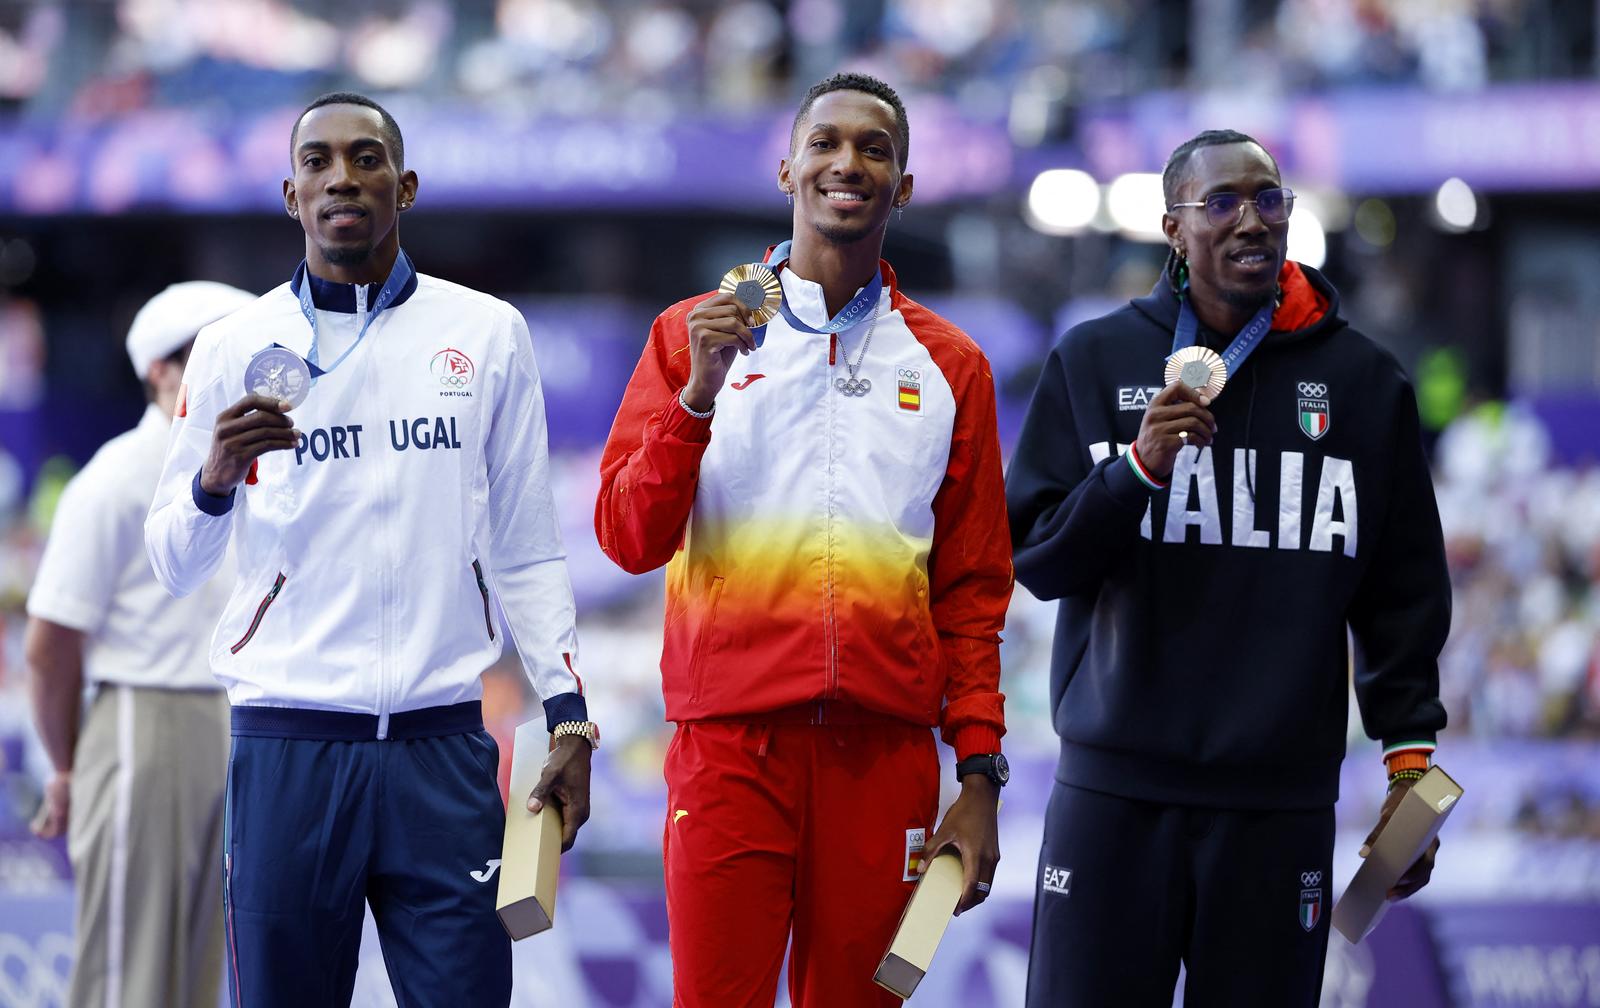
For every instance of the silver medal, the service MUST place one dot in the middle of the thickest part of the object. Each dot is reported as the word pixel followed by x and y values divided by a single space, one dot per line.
pixel 279 373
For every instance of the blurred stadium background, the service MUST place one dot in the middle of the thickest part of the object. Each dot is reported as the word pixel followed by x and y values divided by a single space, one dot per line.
pixel 595 160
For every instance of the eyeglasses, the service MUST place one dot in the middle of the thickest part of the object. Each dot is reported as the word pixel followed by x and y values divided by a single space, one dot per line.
pixel 1226 209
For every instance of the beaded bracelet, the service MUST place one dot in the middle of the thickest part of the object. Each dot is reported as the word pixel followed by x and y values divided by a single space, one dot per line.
pixel 1404 775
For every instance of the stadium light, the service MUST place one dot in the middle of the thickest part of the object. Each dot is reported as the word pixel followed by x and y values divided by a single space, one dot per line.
pixel 1136 205
pixel 1456 206
pixel 1308 239
pixel 1062 201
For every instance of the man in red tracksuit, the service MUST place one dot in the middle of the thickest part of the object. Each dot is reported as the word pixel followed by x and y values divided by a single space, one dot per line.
pixel 838 569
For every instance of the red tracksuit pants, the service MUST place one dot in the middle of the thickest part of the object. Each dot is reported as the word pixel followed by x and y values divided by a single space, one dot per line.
pixel 785 832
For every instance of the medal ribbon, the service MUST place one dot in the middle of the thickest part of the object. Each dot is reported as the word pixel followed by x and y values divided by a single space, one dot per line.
pixel 399 276
pixel 861 307
pixel 1243 345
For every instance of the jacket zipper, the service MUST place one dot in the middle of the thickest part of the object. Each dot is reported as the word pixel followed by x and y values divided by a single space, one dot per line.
pixel 830 627
pixel 386 588
pixel 483 589
pixel 261 610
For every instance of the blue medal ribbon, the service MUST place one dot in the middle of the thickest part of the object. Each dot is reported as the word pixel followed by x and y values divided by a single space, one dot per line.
pixel 399 275
pixel 861 307
pixel 1243 345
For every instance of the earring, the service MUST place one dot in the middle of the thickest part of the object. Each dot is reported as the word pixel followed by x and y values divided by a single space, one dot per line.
pixel 789 195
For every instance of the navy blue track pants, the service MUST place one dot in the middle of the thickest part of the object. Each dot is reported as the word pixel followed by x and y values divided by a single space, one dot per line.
pixel 1128 889
pixel 319 826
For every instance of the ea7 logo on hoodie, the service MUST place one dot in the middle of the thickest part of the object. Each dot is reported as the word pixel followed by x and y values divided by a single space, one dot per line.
pixel 1135 398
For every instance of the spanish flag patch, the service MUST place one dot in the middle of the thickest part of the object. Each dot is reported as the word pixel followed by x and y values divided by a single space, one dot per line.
pixel 911 396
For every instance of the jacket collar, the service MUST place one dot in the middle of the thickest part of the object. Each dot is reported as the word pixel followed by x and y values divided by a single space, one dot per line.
pixel 329 295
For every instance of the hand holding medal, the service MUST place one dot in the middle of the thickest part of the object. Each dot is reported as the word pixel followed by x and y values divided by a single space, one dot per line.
pixel 729 322
pixel 1175 418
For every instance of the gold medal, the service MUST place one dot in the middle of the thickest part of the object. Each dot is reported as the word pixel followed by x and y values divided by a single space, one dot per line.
pixel 1199 368
pixel 755 287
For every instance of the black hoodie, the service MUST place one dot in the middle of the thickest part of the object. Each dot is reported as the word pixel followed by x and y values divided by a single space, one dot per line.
pixel 1200 651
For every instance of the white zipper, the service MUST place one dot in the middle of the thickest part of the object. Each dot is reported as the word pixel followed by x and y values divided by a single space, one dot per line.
pixel 386 568
pixel 829 618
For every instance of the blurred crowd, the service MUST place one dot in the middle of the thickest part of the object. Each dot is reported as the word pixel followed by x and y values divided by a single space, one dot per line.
pixel 1524 546
pixel 995 58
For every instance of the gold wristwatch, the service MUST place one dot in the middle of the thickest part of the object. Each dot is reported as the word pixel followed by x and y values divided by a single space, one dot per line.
pixel 586 729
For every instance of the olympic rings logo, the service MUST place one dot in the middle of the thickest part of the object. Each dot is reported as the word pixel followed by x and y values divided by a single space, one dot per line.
pixel 454 381
pixel 1313 390
pixel 1310 878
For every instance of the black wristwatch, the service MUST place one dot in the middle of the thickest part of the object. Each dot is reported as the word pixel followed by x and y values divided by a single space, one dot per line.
pixel 992 766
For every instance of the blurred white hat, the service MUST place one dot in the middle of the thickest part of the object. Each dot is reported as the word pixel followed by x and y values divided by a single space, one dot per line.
pixel 171 319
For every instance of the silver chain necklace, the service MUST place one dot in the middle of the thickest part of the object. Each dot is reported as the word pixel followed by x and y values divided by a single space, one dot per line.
pixel 854 386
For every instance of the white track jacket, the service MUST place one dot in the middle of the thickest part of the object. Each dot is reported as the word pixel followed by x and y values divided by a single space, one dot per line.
pixel 367 554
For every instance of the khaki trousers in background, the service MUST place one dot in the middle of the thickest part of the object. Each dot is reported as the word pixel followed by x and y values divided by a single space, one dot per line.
pixel 145 840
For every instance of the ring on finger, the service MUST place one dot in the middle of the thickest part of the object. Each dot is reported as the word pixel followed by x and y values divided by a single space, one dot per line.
pixel 983 887
pixel 1183 436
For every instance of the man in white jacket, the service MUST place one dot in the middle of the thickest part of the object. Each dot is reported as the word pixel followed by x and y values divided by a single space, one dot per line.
pixel 371 524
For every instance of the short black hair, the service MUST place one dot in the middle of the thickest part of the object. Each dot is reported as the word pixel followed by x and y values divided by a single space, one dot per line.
pixel 393 138
pixel 866 84
pixel 1176 172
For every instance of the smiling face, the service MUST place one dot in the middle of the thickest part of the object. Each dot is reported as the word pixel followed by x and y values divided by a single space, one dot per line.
pixel 1237 265
pixel 347 192
pixel 844 171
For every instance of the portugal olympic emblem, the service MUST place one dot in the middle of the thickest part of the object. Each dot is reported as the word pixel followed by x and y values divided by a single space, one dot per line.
pixel 453 368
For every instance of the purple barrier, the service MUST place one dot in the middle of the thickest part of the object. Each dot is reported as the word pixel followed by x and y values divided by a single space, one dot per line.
pixel 1390 140
pixel 609 950
pixel 1570 420
pixel 1530 955
pixel 1544 136
pixel 465 156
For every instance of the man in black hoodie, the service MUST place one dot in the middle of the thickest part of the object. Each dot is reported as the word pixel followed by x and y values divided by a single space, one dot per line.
pixel 1210 548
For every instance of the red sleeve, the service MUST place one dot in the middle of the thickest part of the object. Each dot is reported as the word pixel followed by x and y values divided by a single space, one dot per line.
pixel 652 457
pixel 969 565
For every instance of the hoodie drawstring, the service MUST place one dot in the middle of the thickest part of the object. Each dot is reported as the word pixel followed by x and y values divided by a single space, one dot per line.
pixel 1249 415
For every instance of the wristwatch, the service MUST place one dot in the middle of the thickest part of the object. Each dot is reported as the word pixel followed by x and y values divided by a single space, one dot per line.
pixel 992 766
pixel 586 729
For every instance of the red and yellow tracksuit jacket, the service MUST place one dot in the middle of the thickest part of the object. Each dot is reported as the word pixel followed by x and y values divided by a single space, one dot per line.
pixel 821 547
